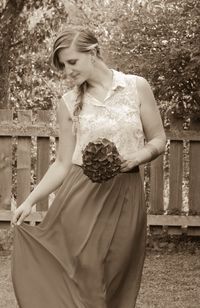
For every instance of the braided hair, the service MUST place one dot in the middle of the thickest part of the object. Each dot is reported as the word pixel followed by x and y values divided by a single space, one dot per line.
pixel 84 41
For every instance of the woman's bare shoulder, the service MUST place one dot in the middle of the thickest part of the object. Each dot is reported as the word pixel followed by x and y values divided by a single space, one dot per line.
pixel 138 80
pixel 62 111
pixel 142 83
pixel 68 102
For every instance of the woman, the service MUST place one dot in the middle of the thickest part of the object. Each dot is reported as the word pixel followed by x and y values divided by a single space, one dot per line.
pixel 89 249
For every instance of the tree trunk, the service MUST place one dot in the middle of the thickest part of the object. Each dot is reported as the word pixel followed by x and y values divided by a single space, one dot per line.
pixel 8 20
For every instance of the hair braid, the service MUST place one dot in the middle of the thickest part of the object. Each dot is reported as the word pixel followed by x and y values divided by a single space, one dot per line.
pixel 81 89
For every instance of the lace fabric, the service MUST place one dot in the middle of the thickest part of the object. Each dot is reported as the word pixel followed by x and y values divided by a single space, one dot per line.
pixel 117 118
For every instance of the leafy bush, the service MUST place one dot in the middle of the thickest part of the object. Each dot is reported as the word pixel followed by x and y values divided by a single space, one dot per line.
pixel 156 39
pixel 160 41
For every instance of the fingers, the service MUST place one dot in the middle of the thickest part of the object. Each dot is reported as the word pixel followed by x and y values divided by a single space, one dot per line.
pixel 124 166
pixel 124 169
pixel 14 219
pixel 20 220
pixel 17 218
pixel 127 166
pixel 122 159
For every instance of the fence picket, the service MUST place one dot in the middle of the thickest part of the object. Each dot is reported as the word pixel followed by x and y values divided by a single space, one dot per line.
pixel 176 174
pixel 194 188
pixel 156 186
pixel 23 159
pixel 43 147
pixel 5 163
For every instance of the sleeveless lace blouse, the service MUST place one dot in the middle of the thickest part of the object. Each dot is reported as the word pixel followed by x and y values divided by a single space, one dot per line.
pixel 117 118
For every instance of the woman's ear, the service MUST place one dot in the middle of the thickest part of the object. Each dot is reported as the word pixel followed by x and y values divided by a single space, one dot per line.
pixel 93 52
pixel 93 55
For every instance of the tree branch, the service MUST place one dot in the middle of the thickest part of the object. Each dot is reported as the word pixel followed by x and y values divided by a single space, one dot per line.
pixel 8 18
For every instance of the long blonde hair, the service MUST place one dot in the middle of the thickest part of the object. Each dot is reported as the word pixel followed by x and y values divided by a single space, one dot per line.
pixel 84 41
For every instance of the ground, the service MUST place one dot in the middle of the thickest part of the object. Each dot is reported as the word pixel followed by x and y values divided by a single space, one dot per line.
pixel 171 276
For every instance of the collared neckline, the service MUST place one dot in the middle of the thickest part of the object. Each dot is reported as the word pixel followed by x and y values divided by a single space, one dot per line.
pixel 118 80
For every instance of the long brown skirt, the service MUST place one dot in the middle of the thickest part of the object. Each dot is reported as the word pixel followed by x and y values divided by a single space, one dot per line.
pixel 89 250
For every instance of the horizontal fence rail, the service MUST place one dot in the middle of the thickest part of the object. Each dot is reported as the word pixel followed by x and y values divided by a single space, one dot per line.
pixel 172 181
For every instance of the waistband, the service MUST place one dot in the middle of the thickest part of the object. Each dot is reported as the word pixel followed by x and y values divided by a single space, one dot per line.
pixel 134 170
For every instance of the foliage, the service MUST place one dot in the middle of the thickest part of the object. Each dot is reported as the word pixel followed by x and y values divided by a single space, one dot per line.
pixel 33 82
pixel 160 41
pixel 9 14
pixel 156 39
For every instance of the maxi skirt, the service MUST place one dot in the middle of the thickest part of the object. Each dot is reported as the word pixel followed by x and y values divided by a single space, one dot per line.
pixel 89 250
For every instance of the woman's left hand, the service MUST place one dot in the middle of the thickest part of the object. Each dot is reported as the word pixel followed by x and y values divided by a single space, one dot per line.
pixel 129 162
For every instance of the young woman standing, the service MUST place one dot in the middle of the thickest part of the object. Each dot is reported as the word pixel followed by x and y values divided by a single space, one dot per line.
pixel 89 250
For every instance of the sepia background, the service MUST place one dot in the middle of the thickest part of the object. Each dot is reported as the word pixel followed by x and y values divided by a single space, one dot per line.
pixel 156 39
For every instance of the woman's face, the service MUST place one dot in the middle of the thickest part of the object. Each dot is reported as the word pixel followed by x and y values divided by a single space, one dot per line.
pixel 77 65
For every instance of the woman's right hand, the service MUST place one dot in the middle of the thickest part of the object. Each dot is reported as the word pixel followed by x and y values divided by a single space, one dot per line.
pixel 21 213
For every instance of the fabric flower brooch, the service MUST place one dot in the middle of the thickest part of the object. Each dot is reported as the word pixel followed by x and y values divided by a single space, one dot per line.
pixel 101 160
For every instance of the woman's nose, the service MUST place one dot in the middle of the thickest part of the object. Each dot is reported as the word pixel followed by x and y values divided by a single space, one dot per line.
pixel 68 70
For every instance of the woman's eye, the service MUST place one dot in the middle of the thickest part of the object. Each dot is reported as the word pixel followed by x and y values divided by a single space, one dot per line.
pixel 72 62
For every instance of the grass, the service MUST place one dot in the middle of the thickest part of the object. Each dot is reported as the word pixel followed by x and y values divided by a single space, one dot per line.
pixel 7 298
pixel 170 280
pixel 171 277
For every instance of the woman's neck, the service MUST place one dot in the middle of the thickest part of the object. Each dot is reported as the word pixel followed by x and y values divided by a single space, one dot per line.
pixel 101 76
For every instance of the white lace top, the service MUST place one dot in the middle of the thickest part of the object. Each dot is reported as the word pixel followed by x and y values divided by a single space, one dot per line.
pixel 117 118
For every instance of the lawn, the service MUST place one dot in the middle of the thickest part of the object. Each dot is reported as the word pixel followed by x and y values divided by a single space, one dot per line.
pixel 171 277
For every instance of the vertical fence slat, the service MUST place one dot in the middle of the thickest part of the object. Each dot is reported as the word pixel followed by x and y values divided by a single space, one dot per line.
pixel 194 182
pixel 23 159
pixel 156 186
pixel 176 174
pixel 43 159
pixel 6 116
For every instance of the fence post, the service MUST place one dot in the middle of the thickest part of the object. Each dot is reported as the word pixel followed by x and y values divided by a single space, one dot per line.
pixel 194 188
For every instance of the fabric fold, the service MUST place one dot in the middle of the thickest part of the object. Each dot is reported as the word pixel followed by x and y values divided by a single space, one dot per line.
pixel 89 249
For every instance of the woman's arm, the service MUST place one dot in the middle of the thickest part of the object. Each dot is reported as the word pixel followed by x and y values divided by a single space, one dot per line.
pixel 56 173
pixel 152 126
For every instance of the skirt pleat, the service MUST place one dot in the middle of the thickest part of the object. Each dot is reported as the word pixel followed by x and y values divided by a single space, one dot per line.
pixel 89 250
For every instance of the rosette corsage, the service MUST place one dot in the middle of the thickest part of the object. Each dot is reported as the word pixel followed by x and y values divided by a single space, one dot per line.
pixel 101 160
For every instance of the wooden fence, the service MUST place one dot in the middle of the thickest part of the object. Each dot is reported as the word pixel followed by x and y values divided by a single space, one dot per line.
pixel 172 181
